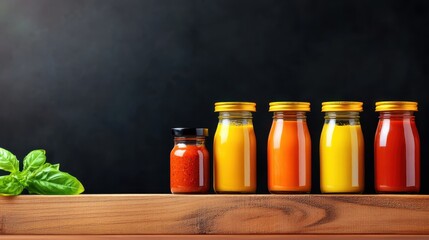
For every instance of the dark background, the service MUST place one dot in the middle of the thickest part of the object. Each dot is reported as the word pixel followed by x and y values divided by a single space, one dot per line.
pixel 99 83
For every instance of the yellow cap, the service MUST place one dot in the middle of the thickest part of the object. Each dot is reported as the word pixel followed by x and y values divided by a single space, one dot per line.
pixel 289 106
pixel 342 106
pixel 235 106
pixel 395 106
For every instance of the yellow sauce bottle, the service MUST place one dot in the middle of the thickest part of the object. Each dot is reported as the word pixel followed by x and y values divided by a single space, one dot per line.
pixel 234 148
pixel 341 149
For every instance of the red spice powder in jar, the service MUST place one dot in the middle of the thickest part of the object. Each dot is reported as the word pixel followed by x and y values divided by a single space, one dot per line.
pixel 189 161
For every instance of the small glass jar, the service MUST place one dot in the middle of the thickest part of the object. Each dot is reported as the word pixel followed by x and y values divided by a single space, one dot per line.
pixel 234 148
pixel 396 148
pixel 342 148
pixel 289 149
pixel 189 161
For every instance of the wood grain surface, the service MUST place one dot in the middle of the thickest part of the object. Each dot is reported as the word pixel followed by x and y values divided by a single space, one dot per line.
pixel 215 214
pixel 211 237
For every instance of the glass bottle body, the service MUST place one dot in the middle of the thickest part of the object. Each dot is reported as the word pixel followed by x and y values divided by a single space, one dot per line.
pixel 341 153
pixel 397 153
pixel 189 165
pixel 234 153
pixel 289 154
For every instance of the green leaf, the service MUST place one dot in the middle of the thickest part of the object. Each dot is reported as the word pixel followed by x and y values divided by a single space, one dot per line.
pixel 46 167
pixel 55 166
pixel 34 160
pixel 38 176
pixel 50 180
pixel 10 186
pixel 8 161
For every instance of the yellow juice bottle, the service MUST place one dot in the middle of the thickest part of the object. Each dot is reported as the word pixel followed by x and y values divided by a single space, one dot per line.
pixel 341 149
pixel 234 149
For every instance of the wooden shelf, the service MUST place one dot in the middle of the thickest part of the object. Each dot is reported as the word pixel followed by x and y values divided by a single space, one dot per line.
pixel 214 214
pixel 212 237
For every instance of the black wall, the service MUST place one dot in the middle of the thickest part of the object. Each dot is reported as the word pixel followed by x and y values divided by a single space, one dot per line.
pixel 99 83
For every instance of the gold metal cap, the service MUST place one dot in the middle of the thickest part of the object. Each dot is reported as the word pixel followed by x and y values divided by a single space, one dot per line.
pixel 289 106
pixel 235 106
pixel 395 106
pixel 342 106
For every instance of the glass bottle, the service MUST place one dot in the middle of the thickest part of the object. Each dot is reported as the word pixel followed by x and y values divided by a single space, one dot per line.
pixel 342 148
pixel 396 148
pixel 289 149
pixel 189 161
pixel 234 148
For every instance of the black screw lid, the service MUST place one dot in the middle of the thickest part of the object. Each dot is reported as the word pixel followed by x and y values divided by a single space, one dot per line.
pixel 182 132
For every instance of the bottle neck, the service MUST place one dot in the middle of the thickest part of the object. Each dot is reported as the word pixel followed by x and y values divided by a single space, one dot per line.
pixel 397 115
pixel 236 118
pixel 235 115
pixel 342 118
pixel 290 115
pixel 190 140
pixel 342 115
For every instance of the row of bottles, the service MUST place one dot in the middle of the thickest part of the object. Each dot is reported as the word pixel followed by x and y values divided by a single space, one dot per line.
pixel 396 150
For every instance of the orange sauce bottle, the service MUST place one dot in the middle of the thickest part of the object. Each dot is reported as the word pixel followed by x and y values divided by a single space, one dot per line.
pixel 289 149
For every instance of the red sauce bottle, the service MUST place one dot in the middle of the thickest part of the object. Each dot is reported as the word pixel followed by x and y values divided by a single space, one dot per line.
pixel 189 161
pixel 397 148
